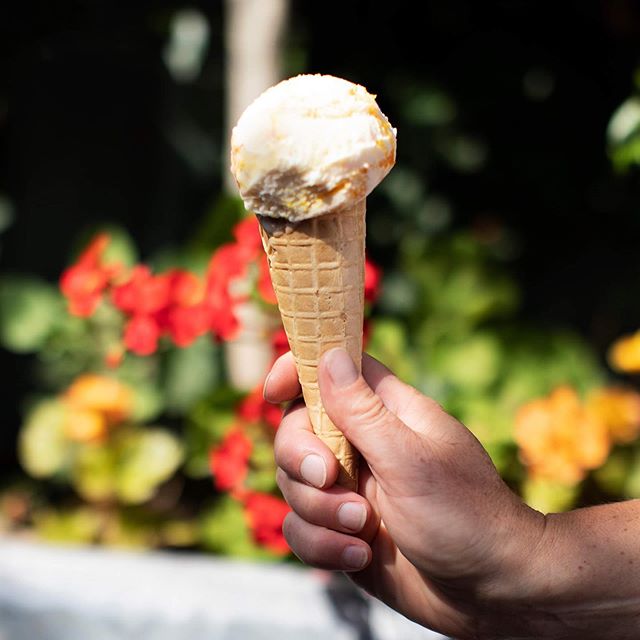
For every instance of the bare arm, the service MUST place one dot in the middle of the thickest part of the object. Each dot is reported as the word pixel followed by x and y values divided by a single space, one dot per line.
pixel 584 580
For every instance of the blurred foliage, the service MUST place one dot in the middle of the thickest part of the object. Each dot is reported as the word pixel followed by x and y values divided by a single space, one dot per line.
pixel 224 531
pixel 491 166
pixel 623 132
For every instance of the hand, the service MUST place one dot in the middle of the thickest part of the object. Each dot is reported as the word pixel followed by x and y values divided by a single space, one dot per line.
pixel 433 532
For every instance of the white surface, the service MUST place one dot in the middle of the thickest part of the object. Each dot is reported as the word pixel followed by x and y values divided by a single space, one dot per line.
pixel 57 593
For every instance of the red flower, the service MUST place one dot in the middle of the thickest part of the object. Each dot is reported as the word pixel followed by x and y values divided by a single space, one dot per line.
pixel 143 293
pixel 372 277
pixel 225 265
pixel 230 461
pixel 186 324
pixel 84 282
pixel 247 234
pixel 141 335
pixel 186 289
pixel 280 342
pixel 265 287
pixel 171 303
pixel 254 408
pixel 229 265
pixel 265 514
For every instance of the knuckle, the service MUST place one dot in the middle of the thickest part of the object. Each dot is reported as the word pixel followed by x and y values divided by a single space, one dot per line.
pixel 367 408
pixel 285 453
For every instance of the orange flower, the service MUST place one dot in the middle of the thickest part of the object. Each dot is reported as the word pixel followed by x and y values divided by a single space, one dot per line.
pixel 84 425
pixel 559 438
pixel 93 403
pixel 619 410
pixel 624 354
pixel 106 396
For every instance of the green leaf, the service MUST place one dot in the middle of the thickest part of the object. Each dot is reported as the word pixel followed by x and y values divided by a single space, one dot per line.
pixel 28 312
pixel 129 467
pixel 148 401
pixel 624 124
pixel 94 472
pixel 388 343
pixel 145 460
pixel 400 294
pixel 614 477
pixel 489 420
pixel 472 364
pixel 204 430
pixel 262 466
pixel 224 530
pixel 180 533
pixel 430 107
pixel 206 425
pixel 141 373
pixel 190 374
pixel 72 526
pixel 503 455
pixel 130 529
pixel 42 446
pixel 548 496
pixel 215 228
pixel 632 481
pixel 538 361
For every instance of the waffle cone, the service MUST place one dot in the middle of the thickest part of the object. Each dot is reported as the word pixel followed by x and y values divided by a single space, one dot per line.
pixel 317 270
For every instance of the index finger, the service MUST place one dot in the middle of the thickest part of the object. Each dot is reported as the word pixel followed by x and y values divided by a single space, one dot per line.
pixel 300 453
pixel 282 383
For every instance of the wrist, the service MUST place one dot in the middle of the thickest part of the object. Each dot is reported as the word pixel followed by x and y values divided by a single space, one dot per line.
pixel 510 601
pixel 496 603
pixel 573 579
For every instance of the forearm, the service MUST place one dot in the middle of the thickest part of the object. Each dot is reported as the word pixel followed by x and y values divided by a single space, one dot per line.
pixel 582 579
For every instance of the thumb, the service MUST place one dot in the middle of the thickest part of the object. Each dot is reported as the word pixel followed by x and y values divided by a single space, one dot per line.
pixel 380 436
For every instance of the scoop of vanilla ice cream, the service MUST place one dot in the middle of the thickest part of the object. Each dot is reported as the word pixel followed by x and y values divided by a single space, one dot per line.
pixel 310 145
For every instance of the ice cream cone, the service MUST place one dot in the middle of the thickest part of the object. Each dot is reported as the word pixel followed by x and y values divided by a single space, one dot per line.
pixel 305 155
pixel 317 270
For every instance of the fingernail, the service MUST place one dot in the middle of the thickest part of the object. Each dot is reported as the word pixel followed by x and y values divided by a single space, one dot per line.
pixel 264 387
pixel 341 368
pixel 352 516
pixel 355 557
pixel 313 470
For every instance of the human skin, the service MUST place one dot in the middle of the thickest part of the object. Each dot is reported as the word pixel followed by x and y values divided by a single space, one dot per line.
pixel 433 531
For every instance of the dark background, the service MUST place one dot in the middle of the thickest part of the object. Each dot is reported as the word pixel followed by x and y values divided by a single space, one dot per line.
pixel 91 122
